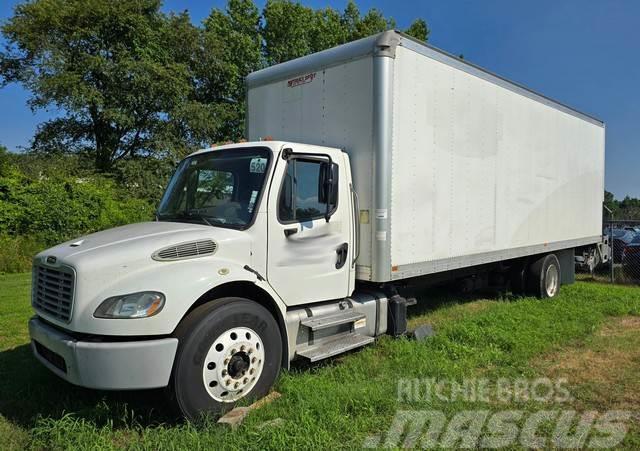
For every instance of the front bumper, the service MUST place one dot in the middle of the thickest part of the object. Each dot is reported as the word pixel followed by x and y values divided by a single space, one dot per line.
pixel 123 365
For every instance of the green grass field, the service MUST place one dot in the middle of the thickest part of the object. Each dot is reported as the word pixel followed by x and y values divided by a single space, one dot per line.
pixel 590 335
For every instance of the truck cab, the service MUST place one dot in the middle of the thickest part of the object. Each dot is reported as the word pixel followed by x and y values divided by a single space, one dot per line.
pixel 245 235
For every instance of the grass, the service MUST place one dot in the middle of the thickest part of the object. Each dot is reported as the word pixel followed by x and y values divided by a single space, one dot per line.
pixel 342 402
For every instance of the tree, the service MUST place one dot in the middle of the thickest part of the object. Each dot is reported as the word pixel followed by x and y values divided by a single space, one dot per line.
pixel 4 161
pixel 627 208
pixel 114 69
pixel 419 30
pixel 291 30
pixel 240 40
pixel 131 81
pixel 231 49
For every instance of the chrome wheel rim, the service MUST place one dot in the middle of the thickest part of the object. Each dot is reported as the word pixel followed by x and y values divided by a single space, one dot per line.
pixel 233 364
pixel 552 281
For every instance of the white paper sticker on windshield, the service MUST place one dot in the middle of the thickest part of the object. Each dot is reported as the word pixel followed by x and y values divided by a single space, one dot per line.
pixel 252 201
pixel 258 165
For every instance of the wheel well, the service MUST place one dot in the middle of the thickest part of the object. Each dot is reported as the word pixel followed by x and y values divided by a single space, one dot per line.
pixel 251 291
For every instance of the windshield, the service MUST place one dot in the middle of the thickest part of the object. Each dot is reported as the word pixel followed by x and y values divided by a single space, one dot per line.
pixel 220 188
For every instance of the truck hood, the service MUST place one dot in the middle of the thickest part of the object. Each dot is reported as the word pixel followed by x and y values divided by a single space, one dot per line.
pixel 119 261
pixel 134 242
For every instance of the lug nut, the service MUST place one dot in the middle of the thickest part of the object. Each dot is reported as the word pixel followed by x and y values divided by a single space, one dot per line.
pixel 245 380
pixel 253 360
pixel 226 361
pixel 228 382
pixel 236 385
pixel 249 351
pixel 224 372
pixel 251 371
pixel 242 348
pixel 233 351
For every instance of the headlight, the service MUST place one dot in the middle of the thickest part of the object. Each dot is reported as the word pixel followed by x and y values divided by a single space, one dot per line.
pixel 135 305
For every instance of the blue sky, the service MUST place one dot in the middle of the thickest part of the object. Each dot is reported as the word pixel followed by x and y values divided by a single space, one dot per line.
pixel 581 52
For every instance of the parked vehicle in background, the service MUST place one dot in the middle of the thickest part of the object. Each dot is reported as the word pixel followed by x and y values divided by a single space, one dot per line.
pixel 591 257
pixel 631 259
pixel 397 165
pixel 621 238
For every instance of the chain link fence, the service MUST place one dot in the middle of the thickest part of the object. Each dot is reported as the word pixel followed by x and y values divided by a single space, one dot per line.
pixel 617 258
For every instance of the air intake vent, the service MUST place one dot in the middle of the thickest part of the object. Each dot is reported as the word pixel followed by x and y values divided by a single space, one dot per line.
pixel 182 251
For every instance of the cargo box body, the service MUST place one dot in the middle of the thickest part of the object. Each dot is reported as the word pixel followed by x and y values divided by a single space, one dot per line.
pixel 454 166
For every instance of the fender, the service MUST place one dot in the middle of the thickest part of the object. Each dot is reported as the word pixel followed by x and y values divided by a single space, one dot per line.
pixel 256 290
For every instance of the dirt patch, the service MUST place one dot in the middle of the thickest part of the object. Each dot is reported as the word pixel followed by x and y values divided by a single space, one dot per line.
pixel 621 326
pixel 601 371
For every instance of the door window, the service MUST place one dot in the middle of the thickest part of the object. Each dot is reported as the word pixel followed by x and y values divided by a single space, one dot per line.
pixel 305 191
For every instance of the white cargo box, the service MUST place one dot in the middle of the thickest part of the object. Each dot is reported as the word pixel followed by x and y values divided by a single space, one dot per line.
pixel 454 166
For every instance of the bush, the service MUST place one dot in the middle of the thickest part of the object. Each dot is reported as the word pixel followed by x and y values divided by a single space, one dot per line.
pixel 16 253
pixel 54 210
pixel 42 204
pixel 145 178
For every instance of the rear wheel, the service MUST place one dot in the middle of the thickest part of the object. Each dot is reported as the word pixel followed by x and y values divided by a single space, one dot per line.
pixel 228 349
pixel 544 277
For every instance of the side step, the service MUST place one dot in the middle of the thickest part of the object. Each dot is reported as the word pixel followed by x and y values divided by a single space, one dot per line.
pixel 323 322
pixel 335 346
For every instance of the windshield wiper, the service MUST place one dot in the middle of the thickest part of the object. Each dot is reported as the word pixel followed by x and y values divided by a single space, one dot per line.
pixel 184 215
pixel 205 220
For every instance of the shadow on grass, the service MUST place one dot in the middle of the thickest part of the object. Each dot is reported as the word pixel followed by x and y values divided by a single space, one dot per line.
pixel 29 392
pixel 429 300
pixel 433 299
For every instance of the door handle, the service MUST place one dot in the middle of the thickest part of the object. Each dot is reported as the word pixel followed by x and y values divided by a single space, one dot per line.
pixel 342 253
pixel 291 231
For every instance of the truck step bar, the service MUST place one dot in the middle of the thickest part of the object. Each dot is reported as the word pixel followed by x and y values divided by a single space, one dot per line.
pixel 335 346
pixel 324 322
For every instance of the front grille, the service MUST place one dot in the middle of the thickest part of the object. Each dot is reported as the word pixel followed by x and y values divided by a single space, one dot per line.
pixel 53 291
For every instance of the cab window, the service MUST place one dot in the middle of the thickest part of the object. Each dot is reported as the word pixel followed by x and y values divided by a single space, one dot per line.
pixel 305 191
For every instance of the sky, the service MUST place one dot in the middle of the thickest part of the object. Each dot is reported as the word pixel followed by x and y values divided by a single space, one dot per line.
pixel 583 53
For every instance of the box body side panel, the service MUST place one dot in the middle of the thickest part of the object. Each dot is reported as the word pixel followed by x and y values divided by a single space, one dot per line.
pixel 478 169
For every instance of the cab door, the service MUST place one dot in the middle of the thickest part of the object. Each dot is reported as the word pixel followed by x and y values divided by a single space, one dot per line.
pixel 310 226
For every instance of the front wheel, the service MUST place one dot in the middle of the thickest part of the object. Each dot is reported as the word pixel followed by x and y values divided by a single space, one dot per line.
pixel 228 349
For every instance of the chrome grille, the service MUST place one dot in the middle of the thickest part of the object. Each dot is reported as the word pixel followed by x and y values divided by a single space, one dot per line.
pixel 53 291
pixel 186 250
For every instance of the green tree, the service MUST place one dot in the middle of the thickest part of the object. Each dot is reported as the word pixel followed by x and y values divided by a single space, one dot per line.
pixel 114 69
pixel 610 202
pixel 4 161
pixel 131 81
pixel 283 31
pixel 419 30
pixel 231 49
pixel 291 30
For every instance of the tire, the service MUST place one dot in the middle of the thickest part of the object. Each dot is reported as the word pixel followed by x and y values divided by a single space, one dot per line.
pixel 518 278
pixel 228 349
pixel 544 277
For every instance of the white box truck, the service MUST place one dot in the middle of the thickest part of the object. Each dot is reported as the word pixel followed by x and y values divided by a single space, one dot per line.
pixel 395 165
